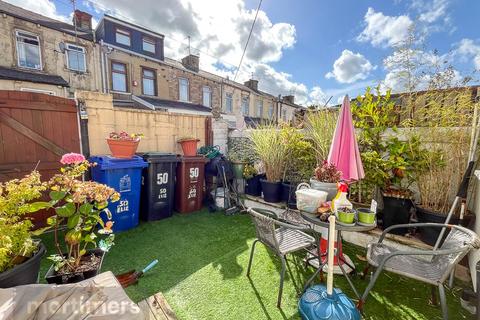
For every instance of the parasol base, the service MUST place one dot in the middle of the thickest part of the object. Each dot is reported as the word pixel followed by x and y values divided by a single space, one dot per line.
pixel 346 263
pixel 317 304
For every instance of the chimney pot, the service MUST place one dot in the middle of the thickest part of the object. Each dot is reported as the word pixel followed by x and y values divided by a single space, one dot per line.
pixel 289 99
pixel 252 84
pixel 191 62
pixel 83 20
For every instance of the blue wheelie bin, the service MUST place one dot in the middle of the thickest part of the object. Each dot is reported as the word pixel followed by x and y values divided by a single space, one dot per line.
pixel 124 175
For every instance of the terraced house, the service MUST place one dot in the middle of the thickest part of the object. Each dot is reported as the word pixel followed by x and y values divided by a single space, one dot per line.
pixel 43 55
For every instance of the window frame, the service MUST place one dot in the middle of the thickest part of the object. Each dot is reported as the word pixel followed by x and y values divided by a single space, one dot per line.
pixel 180 91
pixel 39 48
pixel 209 90
pixel 259 108
pixel 271 111
pixel 125 33
pixel 247 105
pixel 150 40
pixel 67 45
pixel 154 78
pixel 112 71
pixel 229 97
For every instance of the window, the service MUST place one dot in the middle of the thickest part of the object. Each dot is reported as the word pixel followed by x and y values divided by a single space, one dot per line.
pixel 119 77
pixel 76 58
pixel 207 97
pixel 28 50
pixel 245 106
pixel 284 115
pixel 270 111
pixel 148 44
pixel 229 103
pixel 259 108
pixel 183 89
pixel 122 37
pixel 149 82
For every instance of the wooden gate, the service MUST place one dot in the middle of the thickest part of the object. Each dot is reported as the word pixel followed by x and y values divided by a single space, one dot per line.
pixel 35 131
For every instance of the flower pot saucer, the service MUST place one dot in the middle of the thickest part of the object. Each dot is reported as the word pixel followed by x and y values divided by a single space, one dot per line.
pixel 366 224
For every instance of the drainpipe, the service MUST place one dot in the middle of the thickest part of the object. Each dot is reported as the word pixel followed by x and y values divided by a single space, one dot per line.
pixel 102 67
pixel 279 108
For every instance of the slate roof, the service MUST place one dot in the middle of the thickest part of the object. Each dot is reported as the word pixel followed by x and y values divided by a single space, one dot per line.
pixel 36 18
pixel 13 74
pixel 172 104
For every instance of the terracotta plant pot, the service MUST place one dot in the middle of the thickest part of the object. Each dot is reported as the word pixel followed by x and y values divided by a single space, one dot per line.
pixel 189 147
pixel 123 149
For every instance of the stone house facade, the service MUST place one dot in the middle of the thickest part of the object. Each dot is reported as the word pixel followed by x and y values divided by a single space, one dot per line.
pixel 40 54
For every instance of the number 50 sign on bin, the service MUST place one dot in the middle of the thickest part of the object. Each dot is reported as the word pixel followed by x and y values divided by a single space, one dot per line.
pixel 190 184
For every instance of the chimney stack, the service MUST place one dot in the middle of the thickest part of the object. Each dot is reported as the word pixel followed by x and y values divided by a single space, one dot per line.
pixel 82 20
pixel 191 62
pixel 252 84
pixel 289 99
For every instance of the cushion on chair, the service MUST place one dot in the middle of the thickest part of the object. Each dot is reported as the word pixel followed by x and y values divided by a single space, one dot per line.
pixel 411 266
pixel 290 240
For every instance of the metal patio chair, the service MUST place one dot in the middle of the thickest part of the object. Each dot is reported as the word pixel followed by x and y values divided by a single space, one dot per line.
pixel 280 237
pixel 433 268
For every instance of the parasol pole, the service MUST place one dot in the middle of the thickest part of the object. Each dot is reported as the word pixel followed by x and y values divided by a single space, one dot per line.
pixel 331 253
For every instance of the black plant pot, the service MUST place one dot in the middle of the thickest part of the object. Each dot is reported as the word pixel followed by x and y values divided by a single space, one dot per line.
pixel 272 191
pixel 253 186
pixel 24 273
pixel 52 277
pixel 430 235
pixel 396 211
pixel 288 194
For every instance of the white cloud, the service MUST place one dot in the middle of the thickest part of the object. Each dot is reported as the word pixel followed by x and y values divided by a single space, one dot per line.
pixel 43 7
pixel 350 67
pixel 317 97
pixel 468 49
pixel 382 30
pixel 434 10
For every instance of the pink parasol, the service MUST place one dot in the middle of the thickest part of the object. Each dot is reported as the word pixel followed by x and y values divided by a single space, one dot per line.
pixel 344 152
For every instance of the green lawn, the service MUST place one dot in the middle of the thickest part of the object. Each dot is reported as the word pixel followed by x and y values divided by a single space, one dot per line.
pixel 202 265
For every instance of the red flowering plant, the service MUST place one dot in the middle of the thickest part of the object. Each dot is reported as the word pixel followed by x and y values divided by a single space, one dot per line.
pixel 124 136
pixel 78 204
pixel 327 172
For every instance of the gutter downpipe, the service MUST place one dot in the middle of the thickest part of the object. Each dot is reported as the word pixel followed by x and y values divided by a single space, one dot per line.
pixel 102 63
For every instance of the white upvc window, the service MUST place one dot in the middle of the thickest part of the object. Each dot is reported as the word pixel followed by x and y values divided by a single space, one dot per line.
pixel 270 111
pixel 28 50
pixel 122 37
pixel 260 108
pixel 76 58
pixel 148 44
pixel 229 103
pixel 207 96
pixel 183 89
pixel 245 106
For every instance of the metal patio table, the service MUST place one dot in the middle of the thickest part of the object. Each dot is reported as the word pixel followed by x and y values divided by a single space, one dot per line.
pixel 314 220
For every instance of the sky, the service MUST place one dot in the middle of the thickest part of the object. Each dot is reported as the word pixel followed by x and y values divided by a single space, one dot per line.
pixel 317 50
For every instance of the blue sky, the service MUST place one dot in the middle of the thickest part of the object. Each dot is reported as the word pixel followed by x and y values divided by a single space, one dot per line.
pixel 313 49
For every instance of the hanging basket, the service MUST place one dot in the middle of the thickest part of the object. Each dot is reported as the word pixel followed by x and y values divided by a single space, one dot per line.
pixel 189 147
pixel 123 149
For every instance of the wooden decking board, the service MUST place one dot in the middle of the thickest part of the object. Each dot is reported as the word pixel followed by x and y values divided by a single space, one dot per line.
pixel 156 308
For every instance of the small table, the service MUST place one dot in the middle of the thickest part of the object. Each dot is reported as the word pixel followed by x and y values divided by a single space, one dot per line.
pixel 314 220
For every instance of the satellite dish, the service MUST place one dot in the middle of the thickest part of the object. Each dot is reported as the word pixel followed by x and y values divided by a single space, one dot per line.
pixel 61 46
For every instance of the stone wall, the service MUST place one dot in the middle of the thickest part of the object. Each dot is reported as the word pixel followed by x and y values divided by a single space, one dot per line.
pixel 53 60
pixel 161 129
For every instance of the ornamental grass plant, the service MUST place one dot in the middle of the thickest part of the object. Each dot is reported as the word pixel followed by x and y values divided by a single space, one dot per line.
pixel 319 129
pixel 270 146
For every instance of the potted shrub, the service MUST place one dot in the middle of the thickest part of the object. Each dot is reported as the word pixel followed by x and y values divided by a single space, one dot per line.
pixel 271 149
pixel 252 180
pixel 300 161
pixel 77 206
pixel 123 145
pixel 189 145
pixel 325 179
pixel 20 254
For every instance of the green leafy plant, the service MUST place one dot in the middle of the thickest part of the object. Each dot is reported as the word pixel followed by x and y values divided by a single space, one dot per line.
pixel 270 147
pixel 241 150
pixel 16 243
pixel 78 205
pixel 327 172
pixel 249 171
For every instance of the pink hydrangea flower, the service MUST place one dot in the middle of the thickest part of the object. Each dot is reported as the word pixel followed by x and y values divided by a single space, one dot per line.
pixel 72 158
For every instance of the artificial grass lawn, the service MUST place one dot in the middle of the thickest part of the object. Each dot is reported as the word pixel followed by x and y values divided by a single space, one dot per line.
pixel 202 273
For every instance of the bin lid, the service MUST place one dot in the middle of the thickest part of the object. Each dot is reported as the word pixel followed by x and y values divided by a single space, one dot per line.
pixel 109 162
pixel 159 157
pixel 193 159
